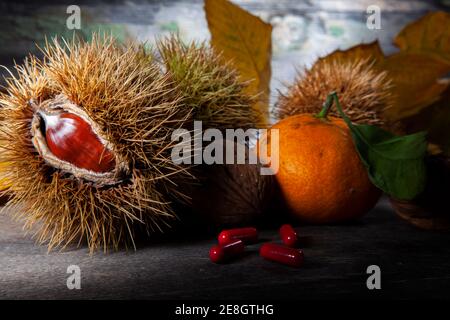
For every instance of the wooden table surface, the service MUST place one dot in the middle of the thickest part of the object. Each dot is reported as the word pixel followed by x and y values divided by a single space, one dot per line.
pixel 414 264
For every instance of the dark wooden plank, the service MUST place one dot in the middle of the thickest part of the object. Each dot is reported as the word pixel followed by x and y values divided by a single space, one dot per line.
pixel 414 264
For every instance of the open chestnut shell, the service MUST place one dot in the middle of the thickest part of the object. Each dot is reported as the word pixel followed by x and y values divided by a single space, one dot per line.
pixel 68 140
pixel 71 139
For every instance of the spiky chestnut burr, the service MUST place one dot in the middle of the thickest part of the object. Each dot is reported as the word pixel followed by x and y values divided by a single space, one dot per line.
pixel 127 103
pixel 363 90
pixel 208 85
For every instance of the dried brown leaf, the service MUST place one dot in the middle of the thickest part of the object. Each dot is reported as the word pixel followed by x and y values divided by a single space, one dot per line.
pixel 245 40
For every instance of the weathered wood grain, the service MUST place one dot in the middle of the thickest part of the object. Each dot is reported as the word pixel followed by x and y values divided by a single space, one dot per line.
pixel 414 264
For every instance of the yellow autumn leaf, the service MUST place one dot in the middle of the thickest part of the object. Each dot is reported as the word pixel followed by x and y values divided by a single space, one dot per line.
pixel 418 68
pixel 436 121
pixel 416 82
pixel 246 41
pixel 4 183
pixel 370 51
pixel 415 76
pixel 429 35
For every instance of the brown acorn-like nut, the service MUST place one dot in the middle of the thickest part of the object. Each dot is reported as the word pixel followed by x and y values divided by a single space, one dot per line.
pixel 71 139
pixel 68 140
pixel 233 194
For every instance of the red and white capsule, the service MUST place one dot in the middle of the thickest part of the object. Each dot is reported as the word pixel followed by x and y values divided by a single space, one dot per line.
pixel 288 235
pixel 227 252
pixel 247 235
pixel 285 255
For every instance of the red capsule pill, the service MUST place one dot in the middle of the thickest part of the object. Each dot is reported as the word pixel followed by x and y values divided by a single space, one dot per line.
pixel 288 235
pixel 223 253
pixel 247 235
pixel 285 255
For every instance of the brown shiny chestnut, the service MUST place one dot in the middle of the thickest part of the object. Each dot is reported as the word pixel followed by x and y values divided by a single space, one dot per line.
pixel 70 138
